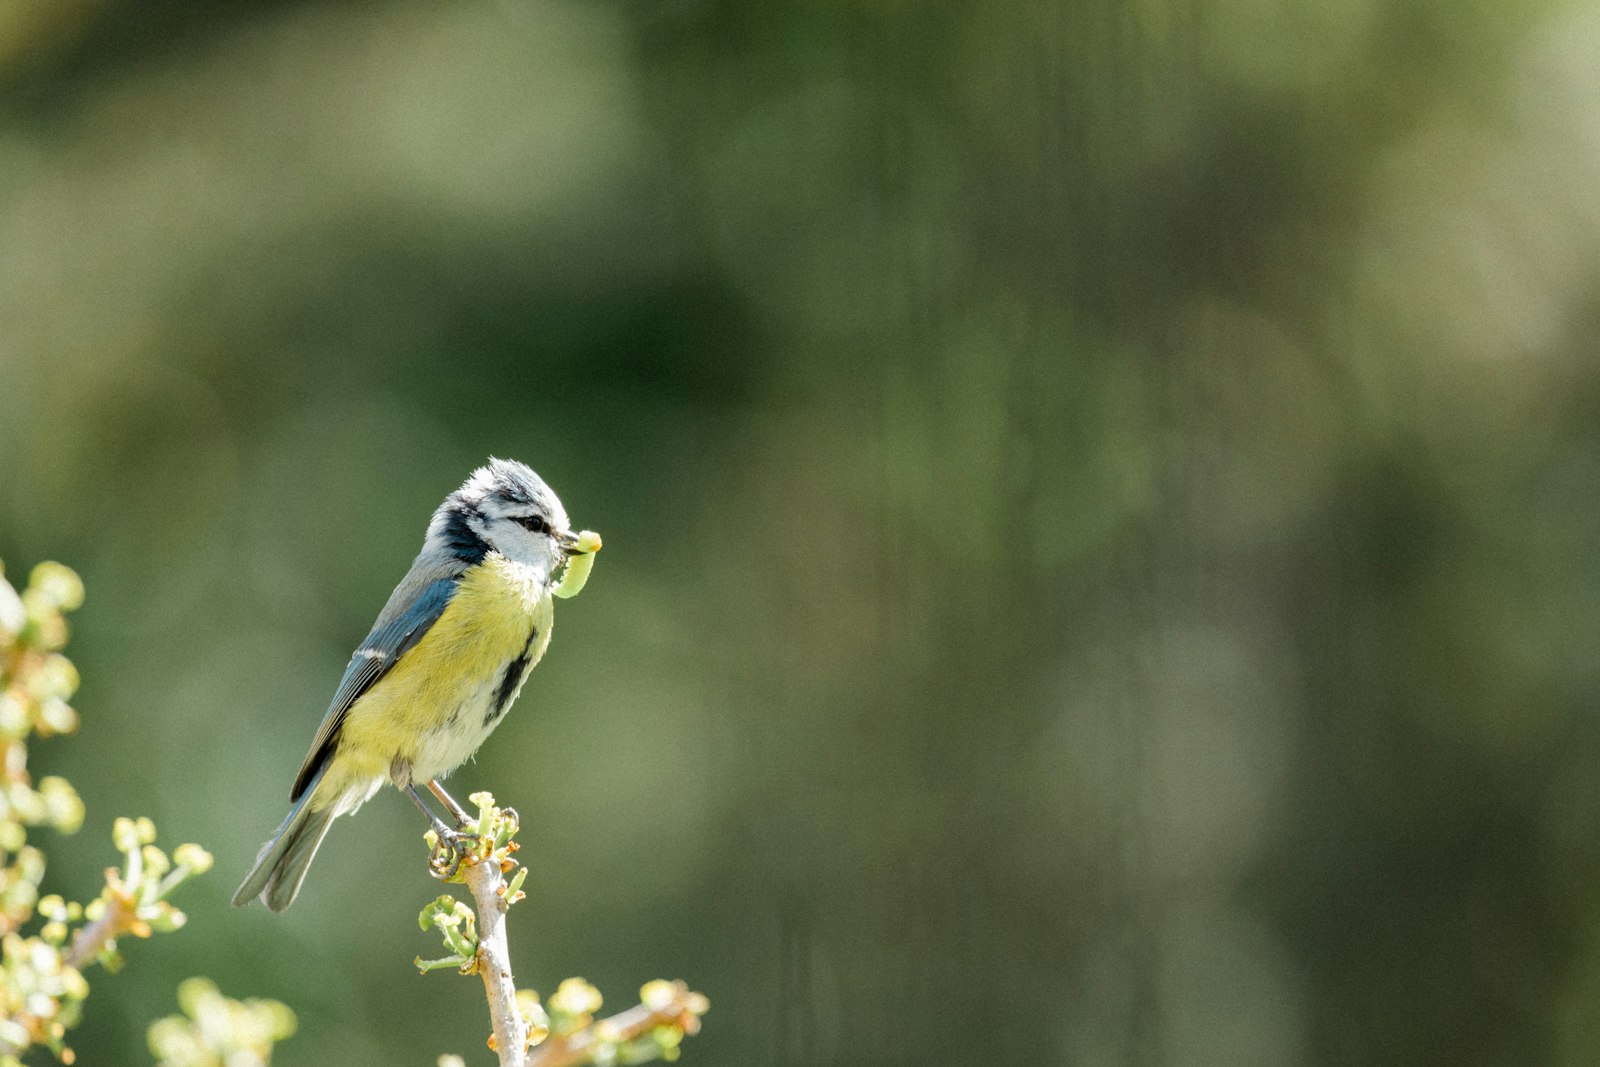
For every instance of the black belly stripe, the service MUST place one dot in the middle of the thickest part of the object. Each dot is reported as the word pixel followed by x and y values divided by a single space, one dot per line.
pixel 509 680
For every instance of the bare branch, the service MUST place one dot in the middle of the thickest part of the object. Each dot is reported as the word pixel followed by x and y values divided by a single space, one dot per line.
pixel 486 882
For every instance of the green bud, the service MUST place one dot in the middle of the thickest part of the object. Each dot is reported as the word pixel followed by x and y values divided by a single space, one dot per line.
pixel 173 1041
pixel 29 864
pixel 196 994
pixel 156 862
pixel 59 584
pixel 14 1034
pixel 575 997
pixel 279 1018
pixel 14 718
pixel 74 984
pixel 13 616
pixel 486 813
pixel 63 806
pixel 132 834
pixel 55 677
pixel 26 806
pixel 534 1015
pixel 56 716
pixel 657 995
pixel 195 858
pixel 46 630
pixel 218 1029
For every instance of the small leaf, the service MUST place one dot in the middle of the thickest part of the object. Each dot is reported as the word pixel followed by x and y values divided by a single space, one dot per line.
pixel 424 966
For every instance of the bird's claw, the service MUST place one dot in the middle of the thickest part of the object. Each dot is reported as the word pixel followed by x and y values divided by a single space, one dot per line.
pixel 453 850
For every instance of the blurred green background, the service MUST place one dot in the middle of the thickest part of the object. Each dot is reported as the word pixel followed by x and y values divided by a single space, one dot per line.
pixel 1101 500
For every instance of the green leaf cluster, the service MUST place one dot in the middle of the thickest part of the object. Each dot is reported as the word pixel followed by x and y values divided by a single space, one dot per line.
pixel 47 942
pixel 217 1031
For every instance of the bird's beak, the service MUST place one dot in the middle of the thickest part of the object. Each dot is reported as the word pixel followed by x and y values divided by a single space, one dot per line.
pixel 568 542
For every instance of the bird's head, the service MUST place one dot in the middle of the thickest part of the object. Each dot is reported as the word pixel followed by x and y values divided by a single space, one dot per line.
pixel 504 507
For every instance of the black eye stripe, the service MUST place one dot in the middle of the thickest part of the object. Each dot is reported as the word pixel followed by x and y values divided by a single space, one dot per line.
pixel 532 522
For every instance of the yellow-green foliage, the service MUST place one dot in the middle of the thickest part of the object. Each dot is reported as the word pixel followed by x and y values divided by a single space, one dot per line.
pixel 42 987
pixel 667 1013
pixel 215 1031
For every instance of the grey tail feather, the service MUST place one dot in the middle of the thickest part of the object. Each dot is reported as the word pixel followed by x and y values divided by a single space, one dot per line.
pixel 281 865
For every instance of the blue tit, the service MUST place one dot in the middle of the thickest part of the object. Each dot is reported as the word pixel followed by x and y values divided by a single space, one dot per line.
pixel 444 662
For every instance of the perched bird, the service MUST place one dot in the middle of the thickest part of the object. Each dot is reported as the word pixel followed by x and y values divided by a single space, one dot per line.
pixel 445 660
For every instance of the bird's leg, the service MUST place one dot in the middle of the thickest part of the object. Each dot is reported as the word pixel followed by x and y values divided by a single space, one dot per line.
pixel 453 844
pixel 462 818
pixel 444 832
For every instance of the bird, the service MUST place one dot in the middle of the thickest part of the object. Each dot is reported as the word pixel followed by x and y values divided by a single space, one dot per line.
pixel 445 660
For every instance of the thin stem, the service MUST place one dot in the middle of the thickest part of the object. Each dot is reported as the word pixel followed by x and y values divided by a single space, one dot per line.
pixel 569 1050
pixel 494 963
pixel 94 937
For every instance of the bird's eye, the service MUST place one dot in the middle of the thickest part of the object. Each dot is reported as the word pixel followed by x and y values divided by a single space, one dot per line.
pixel 533 522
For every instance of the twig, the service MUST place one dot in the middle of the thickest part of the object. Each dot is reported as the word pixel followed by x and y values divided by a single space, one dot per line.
pixel 476 941
pixel 90 940
pixel 682 1010
pixel 485 880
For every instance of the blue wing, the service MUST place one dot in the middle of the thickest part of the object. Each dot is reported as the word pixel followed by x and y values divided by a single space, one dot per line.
pixel 397 630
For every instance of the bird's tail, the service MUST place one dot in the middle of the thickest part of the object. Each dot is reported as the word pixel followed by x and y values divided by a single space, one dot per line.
pixel 281 864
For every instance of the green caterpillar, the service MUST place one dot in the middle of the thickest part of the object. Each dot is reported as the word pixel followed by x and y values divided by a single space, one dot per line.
pixel 578 567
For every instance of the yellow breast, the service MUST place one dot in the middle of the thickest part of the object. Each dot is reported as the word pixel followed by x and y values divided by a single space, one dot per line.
pixel 439 702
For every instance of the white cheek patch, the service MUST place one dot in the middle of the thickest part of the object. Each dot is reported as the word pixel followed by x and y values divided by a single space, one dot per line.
pixel 578 567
